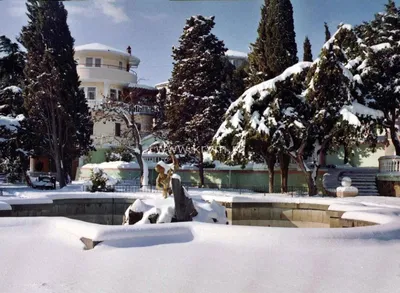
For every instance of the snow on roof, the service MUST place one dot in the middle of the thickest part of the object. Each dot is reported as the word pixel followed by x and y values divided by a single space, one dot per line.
pixel 97 47
pixel 164 83
pixel 142 86
pixel 237 54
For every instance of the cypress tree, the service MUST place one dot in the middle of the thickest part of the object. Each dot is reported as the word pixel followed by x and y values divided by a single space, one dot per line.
pixel 307 54
pixel 258 69
pixel 54 102
pixel 327 32
pixel 380 70
pixel 274 50
pixel 14 141
pixel 281 48
pixel 198 97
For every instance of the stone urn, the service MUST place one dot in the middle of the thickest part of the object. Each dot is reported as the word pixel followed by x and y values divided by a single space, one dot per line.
pixel 346 190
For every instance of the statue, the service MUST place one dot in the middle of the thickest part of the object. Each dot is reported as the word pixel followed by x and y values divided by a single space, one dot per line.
pixel 165 172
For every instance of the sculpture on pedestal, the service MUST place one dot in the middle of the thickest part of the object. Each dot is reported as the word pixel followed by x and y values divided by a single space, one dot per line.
pixel 165 172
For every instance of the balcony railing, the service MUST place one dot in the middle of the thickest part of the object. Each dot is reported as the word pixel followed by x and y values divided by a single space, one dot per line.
pixel 389 164
pixel 110 66
pixel 137 109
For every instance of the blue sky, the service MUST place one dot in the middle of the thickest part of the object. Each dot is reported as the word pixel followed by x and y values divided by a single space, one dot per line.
pixel 152 27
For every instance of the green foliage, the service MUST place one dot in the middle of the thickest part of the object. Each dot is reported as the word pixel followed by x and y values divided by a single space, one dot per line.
pixel 307 53
pixel 275 48
pixel 199 88
pixel 327 32
pixel 99 180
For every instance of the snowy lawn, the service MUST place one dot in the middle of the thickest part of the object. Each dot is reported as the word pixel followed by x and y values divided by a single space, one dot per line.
pixel 46 255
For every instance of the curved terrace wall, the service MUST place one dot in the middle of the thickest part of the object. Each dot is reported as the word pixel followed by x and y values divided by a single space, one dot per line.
pixel 110 211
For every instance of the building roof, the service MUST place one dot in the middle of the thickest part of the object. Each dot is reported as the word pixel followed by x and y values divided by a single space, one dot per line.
pixel 97 47
pixel 142 86
pixel 237 54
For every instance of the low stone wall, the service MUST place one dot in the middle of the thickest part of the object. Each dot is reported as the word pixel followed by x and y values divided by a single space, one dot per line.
pixel 294 215
pixel 107 211
pixel 110 211
pixel 388 185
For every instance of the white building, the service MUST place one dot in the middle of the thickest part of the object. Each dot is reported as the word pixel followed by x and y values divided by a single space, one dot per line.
pixel 104 73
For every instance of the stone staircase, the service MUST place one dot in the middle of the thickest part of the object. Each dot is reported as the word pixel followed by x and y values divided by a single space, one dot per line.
pixel 362 178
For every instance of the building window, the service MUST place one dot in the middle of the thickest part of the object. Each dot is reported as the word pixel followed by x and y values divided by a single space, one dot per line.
pixel 120 65
pixel 89 61
pixel 119 95
pixel 117 129
pixel 91 93
pixel 113 94
pixel 97 62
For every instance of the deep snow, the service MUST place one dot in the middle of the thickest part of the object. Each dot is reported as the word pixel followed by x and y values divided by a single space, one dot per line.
pixel 46 255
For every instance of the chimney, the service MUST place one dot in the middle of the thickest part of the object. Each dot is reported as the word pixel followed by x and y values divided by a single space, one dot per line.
pixel 129 50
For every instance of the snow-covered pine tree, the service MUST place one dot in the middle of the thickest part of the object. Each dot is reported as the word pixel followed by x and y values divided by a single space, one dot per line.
pixel 380 70
pixel 307 53
pixel 55 104
pixel 327 32
pixel 13 137
pixel 332 97
pixel 274 50
pixel 198 98
pixel 250 131
pixel 301 116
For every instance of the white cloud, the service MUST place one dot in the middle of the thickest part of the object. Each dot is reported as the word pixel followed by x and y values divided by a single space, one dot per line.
pixel 93 8
pixel 110 8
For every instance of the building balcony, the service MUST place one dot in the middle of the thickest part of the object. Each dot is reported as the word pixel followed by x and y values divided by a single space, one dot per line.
pixel 106 72
pixel 137 109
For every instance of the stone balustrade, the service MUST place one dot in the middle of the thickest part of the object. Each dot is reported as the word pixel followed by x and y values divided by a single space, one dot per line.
pixel 389 164
pixel 388 178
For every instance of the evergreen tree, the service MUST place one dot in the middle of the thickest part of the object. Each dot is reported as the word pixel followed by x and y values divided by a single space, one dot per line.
pixel 274 50
pixel 258 69
pixel 55 104
pixel 13 137
pixel 307 54
pixel 303 110
pixel 281 48
pixel 327 32
pixel 198 94
pixel 380 70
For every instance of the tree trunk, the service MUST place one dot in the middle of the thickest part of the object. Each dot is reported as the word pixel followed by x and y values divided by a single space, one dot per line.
pixel 284 161
pixel 395 139
pixel 311 176
pixel 311 183
pixel 140 162
pixel 59 167
pixel 346 154
pixel 271 160
pixel 201 169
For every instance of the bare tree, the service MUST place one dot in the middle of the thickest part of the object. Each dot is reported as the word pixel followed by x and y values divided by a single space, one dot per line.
pixel 125 109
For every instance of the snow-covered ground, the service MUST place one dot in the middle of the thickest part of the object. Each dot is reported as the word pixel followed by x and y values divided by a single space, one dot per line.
pixel 45 254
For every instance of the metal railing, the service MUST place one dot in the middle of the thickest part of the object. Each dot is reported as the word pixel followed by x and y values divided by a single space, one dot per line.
pixel 240 189
pixel 137 109
pixel 389 164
